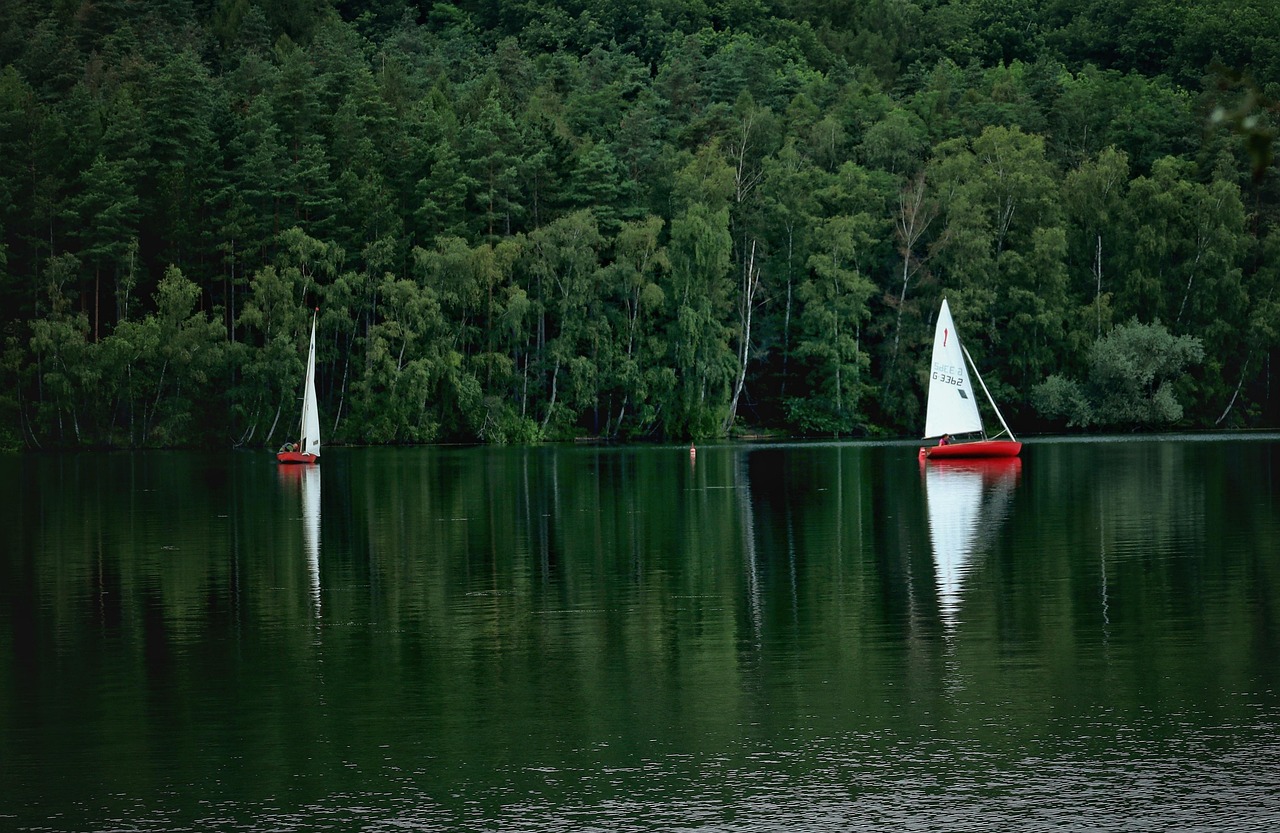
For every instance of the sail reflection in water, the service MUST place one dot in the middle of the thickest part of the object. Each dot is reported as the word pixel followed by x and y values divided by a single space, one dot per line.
pixel 967 500
pixel 311 529
pixel 305 482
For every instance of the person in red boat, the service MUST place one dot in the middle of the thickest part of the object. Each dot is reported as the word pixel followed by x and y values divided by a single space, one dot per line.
pixel 945 439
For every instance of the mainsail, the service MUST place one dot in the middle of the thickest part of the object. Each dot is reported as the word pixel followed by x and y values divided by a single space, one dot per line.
pixel 952 408
pixel 310 442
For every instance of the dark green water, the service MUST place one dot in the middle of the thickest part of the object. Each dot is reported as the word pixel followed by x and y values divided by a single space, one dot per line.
pixel 803 637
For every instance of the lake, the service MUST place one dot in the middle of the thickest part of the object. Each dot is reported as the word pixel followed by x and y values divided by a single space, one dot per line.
pixel 819 636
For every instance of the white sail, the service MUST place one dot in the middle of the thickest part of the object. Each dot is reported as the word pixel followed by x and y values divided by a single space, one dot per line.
pixel 310 441
pixel 952 408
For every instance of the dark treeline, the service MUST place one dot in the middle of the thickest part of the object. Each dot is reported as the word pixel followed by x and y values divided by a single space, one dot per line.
pixel 662 218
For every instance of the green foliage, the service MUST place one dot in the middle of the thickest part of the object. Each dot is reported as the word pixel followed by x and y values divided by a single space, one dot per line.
pixel 1133 373
pixel 829 348
pixel 1061 398
pixel 550 220
pixel 699 298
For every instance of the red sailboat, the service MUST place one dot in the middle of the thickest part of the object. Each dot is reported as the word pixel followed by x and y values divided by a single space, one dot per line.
pixel 952 409
pixel 307 448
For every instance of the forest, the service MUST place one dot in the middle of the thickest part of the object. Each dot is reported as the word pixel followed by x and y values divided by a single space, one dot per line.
pixel 661 219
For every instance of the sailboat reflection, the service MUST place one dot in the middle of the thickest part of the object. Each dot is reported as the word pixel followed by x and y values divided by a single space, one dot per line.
pixel 967 500
pixel 304 481
pixel 311 530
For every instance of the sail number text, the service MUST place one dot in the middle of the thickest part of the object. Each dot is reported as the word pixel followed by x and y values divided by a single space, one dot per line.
pixel 948 375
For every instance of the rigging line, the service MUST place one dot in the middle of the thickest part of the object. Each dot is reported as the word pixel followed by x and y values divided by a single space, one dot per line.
pixel 994 407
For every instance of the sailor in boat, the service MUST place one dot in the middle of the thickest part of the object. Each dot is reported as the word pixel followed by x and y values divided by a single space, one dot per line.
pixel 945 439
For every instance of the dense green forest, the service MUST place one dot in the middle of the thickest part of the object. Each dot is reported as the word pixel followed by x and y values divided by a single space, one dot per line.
pixel 541 220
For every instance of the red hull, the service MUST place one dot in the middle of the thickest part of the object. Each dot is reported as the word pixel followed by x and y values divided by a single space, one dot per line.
pixel 297 457
pixel 961 451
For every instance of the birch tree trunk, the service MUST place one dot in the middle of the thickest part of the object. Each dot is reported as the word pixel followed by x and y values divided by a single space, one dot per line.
pixel 746 301
pixel 915 215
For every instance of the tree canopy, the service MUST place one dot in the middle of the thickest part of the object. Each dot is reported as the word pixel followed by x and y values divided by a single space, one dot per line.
pixel 547 220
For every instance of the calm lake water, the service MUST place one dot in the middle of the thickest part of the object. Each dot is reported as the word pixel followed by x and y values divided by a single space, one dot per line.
pixel 782 637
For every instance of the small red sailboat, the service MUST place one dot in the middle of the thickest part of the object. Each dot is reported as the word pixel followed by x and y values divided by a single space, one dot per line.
pixel 970 450
pixel 307 449
pixel 952 408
